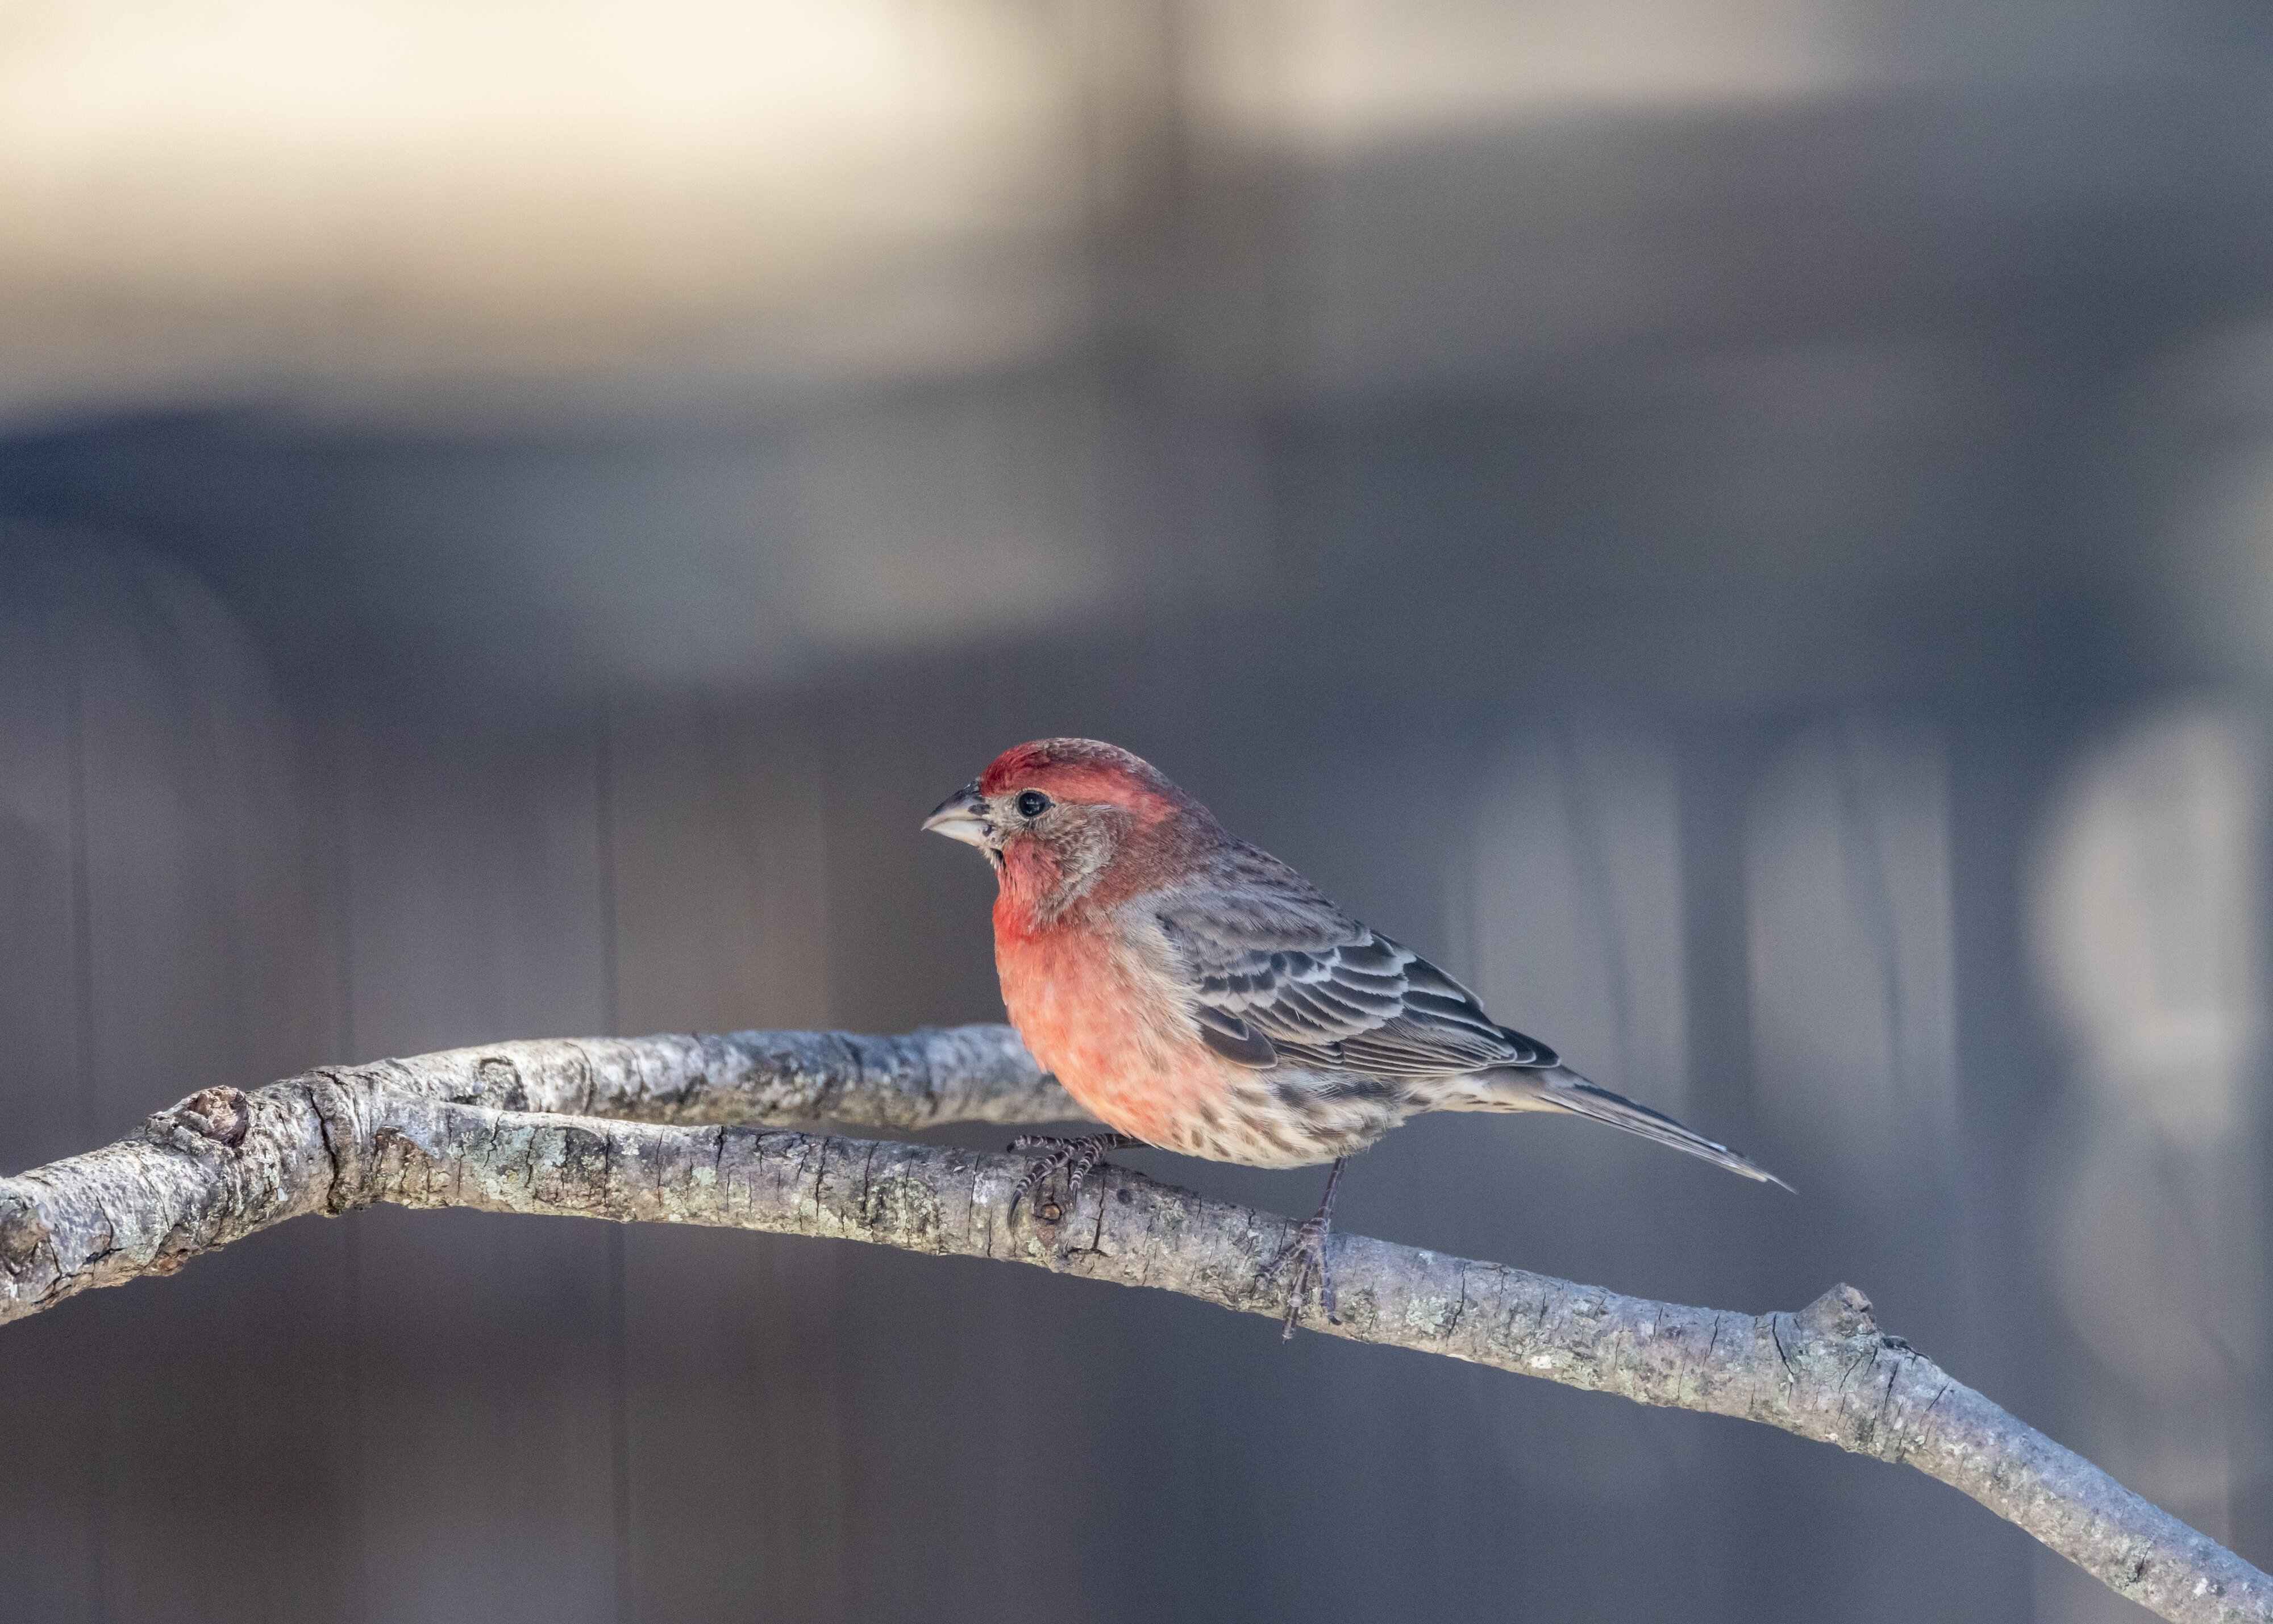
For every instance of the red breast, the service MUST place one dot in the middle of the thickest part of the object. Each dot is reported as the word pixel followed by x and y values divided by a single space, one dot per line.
pixel 1097 1010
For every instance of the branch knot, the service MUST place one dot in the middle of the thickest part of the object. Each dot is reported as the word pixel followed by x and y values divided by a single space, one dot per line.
pixel 1841 1313
pixel 220 1116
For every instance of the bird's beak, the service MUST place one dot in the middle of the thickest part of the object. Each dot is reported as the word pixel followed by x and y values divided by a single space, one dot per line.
pixel 963 816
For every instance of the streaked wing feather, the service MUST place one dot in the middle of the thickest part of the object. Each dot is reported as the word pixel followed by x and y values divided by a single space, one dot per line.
pixel 1234 1039
pixel 1286 970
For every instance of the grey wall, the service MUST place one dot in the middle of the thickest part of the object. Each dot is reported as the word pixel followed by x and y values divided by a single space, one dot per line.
pixel 1775 596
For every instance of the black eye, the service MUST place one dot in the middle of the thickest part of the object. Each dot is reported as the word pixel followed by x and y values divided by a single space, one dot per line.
pixel 1032 804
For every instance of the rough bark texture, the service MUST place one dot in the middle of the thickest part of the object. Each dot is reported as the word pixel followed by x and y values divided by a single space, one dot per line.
pixel 670 1130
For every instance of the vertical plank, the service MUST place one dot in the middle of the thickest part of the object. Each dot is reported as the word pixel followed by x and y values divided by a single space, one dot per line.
pixel 735 1496
pixel 200 930
pixel 45 1548
pixel 721 848
pixel 207 1470
pixel 472 858
pixel 41 1115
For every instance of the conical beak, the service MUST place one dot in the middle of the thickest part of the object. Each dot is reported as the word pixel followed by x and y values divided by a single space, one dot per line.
pixel 963 816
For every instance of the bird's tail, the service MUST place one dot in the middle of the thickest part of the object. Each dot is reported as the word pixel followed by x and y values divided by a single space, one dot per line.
pixel 1558 1088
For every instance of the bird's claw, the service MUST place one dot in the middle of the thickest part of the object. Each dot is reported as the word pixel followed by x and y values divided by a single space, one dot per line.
pixel 1310 1244
pixel 1079 1157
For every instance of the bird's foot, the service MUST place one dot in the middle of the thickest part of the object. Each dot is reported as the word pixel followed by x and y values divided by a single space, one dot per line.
pixel 1309 1245
pixel 1308 1252
pixel 1079 1157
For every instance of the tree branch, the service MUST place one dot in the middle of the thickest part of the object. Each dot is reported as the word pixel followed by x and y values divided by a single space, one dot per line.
pixel 519 1127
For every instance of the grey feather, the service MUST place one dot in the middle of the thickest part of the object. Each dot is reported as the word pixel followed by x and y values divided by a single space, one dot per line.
pixel 1283 981
pixel 1234 1039
pixel 1267 954
pixel 1560 1088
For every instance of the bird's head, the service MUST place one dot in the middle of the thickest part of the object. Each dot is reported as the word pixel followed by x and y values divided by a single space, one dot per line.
pixel 1058 816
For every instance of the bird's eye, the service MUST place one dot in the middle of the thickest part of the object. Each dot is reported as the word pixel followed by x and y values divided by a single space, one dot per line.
pixel 1032 804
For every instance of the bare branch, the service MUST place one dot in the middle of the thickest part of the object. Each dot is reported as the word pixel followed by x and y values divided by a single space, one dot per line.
pixel 487 1128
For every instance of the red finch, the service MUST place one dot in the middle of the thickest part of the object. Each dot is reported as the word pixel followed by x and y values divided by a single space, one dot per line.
pixel 1196 994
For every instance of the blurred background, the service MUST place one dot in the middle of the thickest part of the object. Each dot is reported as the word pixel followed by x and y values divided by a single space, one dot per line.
pixel 1744 527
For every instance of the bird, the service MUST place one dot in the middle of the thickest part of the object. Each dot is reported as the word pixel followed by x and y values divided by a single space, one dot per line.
pixel 1194 993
